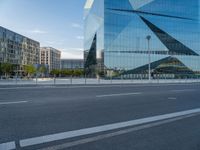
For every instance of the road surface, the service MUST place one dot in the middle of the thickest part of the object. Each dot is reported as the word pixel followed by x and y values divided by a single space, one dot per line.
pixel 101 117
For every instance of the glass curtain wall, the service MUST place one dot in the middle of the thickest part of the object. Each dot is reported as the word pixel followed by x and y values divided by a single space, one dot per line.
pixel 121 28
pixel 94 37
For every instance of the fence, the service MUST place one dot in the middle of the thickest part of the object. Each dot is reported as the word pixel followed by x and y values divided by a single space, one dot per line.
pixel 90 81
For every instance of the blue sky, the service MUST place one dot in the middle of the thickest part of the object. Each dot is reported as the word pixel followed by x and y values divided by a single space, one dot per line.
pixel 55 23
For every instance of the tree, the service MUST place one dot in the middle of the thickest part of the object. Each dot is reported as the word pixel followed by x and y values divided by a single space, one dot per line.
pixel 6 68
pixel 101 74
pixel 78 72
pixel 66 72
pixel 30 70
pixel 1 69
pixel 42 70
pixel 55 72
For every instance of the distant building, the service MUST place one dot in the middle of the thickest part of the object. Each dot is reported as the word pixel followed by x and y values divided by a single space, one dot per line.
pixel 18 49
pixel 72 64
pixel 51 57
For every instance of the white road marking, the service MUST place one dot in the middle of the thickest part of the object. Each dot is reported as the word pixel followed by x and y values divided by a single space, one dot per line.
pixel 113 134
pixel 172 98
pixel 184 90
pixel 104 128
pixel 10 103
pixel 120 94
pixel 7 146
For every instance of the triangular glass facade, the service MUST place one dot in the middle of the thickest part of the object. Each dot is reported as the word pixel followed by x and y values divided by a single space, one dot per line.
pixel 122 28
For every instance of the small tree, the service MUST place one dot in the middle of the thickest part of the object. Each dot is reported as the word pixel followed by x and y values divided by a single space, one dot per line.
pixel 6 68
pixel 65 72
pixel 78 72
pixel 42 70
pixel 1 69
pixel 101 73
pixel 30 70
pixel 55 72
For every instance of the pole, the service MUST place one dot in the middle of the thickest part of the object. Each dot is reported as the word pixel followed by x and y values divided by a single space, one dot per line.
pixel 36 81
pixel 71 80
pixel 149 55
pixel 54 79
pixel 149 62
pixel 16 77
pixel 85 79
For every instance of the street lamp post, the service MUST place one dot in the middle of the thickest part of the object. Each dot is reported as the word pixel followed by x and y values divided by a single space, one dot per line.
pixel 149 53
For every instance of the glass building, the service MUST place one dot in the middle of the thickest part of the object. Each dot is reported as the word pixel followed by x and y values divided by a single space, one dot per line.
pixel 72 64
pixel 18 49
pixel 116 40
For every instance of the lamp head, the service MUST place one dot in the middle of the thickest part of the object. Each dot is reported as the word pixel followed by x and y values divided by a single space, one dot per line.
pixel 148 37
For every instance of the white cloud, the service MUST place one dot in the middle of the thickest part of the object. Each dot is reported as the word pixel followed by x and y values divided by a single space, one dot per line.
pixel 37 31
pixel 49 42
pixel 76 25
pixel 72 49
pixel 72 53
pixel 80 37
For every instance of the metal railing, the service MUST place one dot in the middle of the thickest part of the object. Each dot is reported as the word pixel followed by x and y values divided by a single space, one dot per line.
pixel 90 81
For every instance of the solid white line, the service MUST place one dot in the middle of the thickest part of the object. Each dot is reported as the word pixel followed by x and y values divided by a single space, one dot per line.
pixel 172 98
pixel 7 146
pixel 116 133
pixel 120 94
pixel 9 103
pixel 98 129
pixel 184 90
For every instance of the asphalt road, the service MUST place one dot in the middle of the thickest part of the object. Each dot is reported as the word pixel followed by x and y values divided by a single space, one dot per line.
pixel 28 113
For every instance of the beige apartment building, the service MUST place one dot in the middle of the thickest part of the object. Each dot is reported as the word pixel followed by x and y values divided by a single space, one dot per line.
pixel 51 57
